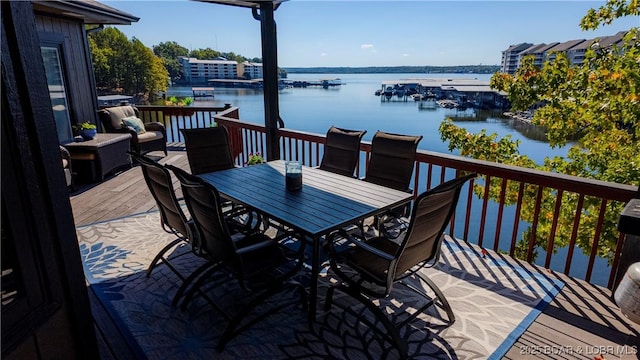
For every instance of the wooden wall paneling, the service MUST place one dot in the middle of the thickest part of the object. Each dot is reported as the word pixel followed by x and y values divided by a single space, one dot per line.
pixel 31 167
pixel 79 78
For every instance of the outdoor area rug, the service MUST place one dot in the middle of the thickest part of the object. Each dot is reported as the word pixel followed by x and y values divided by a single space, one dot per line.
pixel 494 299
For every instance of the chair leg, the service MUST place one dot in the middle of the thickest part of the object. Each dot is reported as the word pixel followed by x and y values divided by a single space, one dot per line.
pixel 329 298
pixel 196 286
pixel 189 280
pixel 439 295
pixel 160 255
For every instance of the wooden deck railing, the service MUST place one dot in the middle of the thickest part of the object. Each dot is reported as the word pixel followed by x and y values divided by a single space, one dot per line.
pixel 176 118
pixel 509 215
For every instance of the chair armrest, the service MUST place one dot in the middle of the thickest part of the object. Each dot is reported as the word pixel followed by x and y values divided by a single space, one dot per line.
pixel 292 234
pixel 373 250
pixel 125 130
pixel 253 247
pixel 361 244
pixel 155 126
pixel 64 153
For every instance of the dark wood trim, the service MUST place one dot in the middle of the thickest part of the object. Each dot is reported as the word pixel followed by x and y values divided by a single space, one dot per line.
pixel 32 146
pixel 270 77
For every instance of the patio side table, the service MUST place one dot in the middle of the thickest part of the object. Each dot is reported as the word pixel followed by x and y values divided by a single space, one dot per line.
pixel 103 154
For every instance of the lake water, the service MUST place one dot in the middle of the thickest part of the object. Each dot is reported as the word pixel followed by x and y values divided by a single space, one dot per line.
pixel 354 106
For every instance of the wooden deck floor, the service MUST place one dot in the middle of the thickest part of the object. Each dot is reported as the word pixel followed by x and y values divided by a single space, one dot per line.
pixel 581 323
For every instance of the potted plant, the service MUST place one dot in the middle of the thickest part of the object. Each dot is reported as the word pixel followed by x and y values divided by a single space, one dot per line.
pixel 254 159
pixel 86 129
pixel 179 106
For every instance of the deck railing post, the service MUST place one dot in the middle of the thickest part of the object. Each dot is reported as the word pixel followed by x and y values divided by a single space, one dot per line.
pixel 270 78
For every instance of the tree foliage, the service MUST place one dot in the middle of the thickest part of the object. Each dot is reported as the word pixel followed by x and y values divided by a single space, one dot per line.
pixel 126 66
pixel 204 54
pixel 594 107
pixel 169 52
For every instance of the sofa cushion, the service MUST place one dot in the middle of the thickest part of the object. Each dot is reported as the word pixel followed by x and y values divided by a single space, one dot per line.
pixel 135 123
pixel 150 136
pixel 117 113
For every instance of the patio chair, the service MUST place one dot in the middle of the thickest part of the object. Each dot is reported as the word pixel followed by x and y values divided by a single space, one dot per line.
pixel 208 149
pixel 145 137
pixel 369 269
pixel 172 219
pixel 341 151
pixel 262 266
pixel 391 165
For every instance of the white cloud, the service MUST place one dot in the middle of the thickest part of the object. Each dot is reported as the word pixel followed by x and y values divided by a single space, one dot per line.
pixel 405 54
pixel 324 54
pixel 366 46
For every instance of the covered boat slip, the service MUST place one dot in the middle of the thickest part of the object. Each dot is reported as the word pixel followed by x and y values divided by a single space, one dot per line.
pixel 202 92
pixel 114 100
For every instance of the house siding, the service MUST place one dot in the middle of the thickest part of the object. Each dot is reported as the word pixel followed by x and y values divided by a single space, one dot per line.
pixel 77 66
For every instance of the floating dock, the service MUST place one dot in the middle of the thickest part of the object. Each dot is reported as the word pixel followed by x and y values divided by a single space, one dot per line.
pixel 325 83
pixel 237 83
pixel 202 92
pixel 465 92
pixel 114 100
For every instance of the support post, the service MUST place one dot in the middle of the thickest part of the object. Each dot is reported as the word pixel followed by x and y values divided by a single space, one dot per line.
pixel 270 78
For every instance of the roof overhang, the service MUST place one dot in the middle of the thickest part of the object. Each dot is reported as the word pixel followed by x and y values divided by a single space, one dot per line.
pixel 254 4
pixel 89 11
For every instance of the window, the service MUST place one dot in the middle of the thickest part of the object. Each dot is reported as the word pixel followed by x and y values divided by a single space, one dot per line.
pixel 57 92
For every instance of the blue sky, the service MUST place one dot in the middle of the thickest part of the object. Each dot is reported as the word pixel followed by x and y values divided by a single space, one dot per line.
pixel 368 33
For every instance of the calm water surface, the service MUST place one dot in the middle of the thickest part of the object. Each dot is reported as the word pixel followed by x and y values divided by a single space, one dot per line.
pixel 354 106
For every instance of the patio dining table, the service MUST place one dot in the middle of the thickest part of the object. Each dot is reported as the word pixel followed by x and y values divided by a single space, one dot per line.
pixel 326 202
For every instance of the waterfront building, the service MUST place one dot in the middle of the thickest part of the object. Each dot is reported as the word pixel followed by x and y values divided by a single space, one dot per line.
pixel 532 51
pixel 198 71
pixel 509 63
pixel 575 50
pixel 568 48
pixel 250 70
pixel 540 55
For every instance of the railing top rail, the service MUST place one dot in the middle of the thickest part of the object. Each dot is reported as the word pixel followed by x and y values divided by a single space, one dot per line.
pixel 225 120
pixel 302 135
pixel 570 183
pixel 590 187
pixel 193 108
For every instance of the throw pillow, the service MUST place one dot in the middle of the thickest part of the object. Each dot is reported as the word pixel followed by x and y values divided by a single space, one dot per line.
pixel 135 123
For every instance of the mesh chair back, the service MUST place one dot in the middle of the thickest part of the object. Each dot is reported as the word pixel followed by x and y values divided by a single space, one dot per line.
pixel 431 214
pixel 208 149
pixel 341 151
pixel 392 158
pixel 158 180
pixel 204 204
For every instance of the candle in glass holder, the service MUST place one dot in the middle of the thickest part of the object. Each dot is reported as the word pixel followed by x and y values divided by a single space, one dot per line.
pixel 293 175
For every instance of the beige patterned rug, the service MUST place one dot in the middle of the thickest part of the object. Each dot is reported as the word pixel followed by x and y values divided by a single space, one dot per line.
pixel 494 300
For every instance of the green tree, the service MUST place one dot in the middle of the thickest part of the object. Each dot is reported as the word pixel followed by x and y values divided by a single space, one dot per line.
pixel 204 54
pixel 233 56
pixel 125 66
pixel 597 103
pixel 169 52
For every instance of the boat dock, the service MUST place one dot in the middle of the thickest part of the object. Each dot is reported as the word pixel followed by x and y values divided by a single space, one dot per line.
pixel 466 92
pixel 325 83
pixel 237 83
pixel 114 100
pixel 202 92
